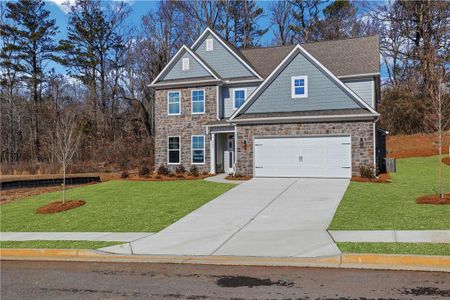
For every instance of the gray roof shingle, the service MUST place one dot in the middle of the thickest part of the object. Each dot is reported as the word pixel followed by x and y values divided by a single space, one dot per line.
pixel 341 57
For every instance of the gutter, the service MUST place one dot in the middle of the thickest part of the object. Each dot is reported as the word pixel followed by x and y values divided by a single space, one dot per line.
pixel 270 120
pixel 184 83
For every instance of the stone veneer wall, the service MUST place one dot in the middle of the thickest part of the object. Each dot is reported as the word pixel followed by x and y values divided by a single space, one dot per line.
pixel 356 129
pixel 184 125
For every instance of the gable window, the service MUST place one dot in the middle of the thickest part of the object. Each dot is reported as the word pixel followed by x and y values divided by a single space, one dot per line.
pixel 173 103
pixel 198 149
pixel 185 64
pixel 239 96
pixel 173 150
pixel 209 45
pixel 198 101
pixel 299 86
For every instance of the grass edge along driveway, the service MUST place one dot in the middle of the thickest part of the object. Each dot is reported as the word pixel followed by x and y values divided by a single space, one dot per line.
pixel 114 206
pixel 57 244
pixel 392 206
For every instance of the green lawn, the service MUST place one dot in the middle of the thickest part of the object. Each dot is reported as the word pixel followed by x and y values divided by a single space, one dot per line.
pixel 117 206
pixel 57 244
pixel 396 248
pixel 375 206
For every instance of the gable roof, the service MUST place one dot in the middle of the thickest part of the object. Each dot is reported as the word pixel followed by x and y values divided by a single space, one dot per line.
pixel 342 57
pixel 177 56
pixel 279 68
pixel 235 52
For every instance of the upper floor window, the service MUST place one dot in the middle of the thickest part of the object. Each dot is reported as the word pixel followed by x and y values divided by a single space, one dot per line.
pixel 209 45
pixel 185 64
pixel 173 103
pixel 239 96
pixel 198 101
pixel 299 86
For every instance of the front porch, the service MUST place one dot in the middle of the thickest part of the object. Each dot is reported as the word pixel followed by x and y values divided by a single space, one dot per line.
pixel 223 149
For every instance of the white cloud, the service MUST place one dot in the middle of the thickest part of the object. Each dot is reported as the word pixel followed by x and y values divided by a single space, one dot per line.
pixel 64 5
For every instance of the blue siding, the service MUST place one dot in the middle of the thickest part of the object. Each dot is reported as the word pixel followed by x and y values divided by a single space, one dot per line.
pixel 227 98
pixel 195 69
pixel 323 93
pixel 221 60
pixel 364 88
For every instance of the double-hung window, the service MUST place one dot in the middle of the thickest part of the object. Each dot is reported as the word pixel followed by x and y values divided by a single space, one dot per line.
pixel 239 97
pixel 198 149
pixel 198 101
pixel 173 103
pixel 299 86
pixel 173 150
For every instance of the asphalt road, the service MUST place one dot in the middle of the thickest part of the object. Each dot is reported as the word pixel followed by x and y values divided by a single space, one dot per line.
pixel 74 280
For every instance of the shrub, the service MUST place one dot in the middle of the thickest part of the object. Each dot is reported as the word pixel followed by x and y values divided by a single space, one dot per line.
pixel 144 172
pixel 194 170
pixel 171 174
pixel 124 175
pixel 366 171
pixel 163 170
pixel 180 169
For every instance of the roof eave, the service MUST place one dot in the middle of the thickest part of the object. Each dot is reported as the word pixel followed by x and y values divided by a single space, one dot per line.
pixel 307 119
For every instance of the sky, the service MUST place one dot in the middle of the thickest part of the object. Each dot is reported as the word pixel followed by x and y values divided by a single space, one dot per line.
pixel 139 8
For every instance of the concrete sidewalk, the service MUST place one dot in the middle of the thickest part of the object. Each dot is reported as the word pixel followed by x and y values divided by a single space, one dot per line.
pixel 391 236
pixel 74 236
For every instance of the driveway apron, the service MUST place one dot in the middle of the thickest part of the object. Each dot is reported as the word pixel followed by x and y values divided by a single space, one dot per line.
pixel 274 217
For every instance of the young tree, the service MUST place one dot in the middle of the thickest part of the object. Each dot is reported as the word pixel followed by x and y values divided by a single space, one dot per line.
pixel 67 140
pixel 30 34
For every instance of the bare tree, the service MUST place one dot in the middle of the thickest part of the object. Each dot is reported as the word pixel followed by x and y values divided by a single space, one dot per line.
pixel 67 140
pixel 281 15
pixel 440 107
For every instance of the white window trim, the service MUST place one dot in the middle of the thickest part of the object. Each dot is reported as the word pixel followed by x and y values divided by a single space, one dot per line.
pixel 233 97
pixel 185 64
pixel 293 78
pixel 179 149
pixel 179 103
pixel 192 101
pixel 192 150
pixel 209 45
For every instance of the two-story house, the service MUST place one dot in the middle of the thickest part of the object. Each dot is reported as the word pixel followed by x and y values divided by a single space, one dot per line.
pixel 292 111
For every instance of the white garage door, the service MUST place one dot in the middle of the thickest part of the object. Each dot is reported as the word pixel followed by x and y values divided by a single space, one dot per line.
pixel 321 156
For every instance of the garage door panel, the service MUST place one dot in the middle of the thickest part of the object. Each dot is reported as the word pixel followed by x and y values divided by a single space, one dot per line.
pixel 324 156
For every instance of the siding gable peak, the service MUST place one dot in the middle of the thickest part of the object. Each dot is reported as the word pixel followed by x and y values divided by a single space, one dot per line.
pixel 224 58
pixel 300 62
pixel 173 69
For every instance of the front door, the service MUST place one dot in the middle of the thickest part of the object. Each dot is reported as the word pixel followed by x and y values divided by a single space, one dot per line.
pixel 229 154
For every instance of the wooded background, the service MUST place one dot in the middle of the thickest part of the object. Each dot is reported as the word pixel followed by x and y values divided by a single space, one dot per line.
pixel 110 65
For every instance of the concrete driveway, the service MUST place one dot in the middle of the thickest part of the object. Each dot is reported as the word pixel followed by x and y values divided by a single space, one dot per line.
pixel 272 217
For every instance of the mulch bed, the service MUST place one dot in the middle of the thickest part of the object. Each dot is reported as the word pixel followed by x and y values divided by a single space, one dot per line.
pixel 382 178
pixel 238 177
pixel 58 206
pixel 433 199
pixel 446 160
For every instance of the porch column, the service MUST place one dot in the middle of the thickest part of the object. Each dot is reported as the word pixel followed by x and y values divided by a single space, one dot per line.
pixel 212 150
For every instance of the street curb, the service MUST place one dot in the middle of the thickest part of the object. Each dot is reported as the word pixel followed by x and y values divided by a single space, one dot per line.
pixel 359 261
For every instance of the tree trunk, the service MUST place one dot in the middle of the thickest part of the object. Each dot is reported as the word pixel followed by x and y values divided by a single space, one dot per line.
pixel 64 183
